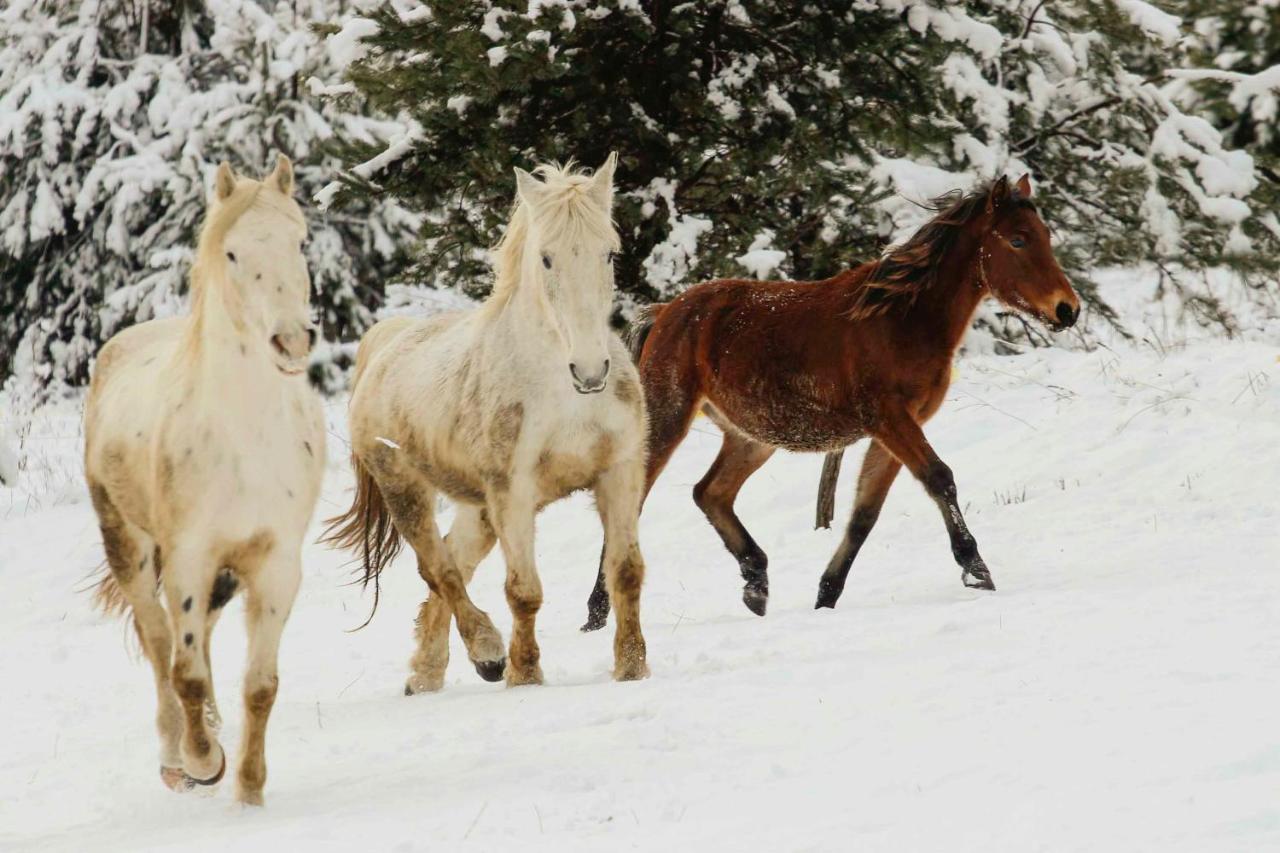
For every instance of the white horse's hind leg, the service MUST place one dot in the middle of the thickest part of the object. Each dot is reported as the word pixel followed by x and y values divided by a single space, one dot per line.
pixel 411 502
pixel 270 596
pixel 189 575
pixel 131 558
pixel 513 518
pixel 470 539
pixel 619 492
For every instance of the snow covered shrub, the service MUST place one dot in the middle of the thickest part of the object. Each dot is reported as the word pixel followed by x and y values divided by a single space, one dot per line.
pixel 113 115
pixel 798 137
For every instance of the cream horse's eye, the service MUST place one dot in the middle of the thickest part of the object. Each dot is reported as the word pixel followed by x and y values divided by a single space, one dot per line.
pixel 231 256
pixel 610 259
pixel 546 261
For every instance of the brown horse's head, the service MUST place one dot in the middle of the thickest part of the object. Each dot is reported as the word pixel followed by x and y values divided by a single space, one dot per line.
pixel 1015 260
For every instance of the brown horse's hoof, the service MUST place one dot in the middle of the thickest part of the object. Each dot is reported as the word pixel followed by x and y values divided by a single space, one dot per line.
pixel 978 581
pixel 491 670
pixel 757 600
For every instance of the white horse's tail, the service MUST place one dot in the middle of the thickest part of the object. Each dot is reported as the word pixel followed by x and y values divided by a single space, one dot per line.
pixel 366 528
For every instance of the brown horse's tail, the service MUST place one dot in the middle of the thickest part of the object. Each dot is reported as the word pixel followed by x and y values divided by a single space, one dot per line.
pixel 827 489
pixel 368 528
pixel 638 330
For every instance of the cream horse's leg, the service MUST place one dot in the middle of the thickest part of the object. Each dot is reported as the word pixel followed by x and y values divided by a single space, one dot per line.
pixel 411 502
pixel 131 555
pixel 271 591
pixel 513 518
pixel 189 573
pixel 470 539
pixel 619 492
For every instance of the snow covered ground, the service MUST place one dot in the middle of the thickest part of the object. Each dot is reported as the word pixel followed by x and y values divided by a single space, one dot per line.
pixel 1120 691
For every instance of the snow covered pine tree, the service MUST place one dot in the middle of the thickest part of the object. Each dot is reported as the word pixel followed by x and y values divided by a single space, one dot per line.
pixel 113 115
pixel 778 138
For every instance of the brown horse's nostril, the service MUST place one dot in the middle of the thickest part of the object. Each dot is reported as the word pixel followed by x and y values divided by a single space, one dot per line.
pixel 1067 315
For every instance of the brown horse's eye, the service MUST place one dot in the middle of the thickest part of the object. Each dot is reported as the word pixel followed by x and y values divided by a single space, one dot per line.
pixel 1017 242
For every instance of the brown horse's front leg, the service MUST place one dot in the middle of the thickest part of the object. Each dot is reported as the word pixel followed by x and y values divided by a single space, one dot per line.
pixel 902 436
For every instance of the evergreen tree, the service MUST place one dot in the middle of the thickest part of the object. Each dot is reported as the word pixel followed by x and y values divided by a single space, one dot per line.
pixel 794 138
pixel 113 116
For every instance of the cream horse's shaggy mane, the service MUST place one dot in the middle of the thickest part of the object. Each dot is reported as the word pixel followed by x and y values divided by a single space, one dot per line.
pixel 568 210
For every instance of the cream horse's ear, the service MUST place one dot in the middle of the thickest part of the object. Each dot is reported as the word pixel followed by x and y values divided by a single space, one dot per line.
pixel 602 181
pixel 224 183
pixel 282 177
pixel 528 187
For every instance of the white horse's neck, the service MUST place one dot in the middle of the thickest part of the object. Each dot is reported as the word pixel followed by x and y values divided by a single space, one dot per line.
pixel 219 347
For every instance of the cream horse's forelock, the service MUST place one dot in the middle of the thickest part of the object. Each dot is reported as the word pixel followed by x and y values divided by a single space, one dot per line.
pixel 210 268
pixel 569 211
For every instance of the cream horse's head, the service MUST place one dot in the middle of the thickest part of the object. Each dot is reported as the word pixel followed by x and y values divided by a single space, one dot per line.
pixel 568 251
pixel 262 233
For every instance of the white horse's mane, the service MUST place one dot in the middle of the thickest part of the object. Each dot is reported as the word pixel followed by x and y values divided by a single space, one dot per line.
pixel 569 211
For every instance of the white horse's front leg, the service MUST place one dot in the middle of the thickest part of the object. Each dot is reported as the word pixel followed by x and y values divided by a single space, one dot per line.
pixel 619 493
pixel 188 577
pixel 271 592
pixel 512 513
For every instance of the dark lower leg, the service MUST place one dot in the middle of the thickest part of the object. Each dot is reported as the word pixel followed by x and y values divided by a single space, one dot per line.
pixel 739 458
pixel 904 438
pixel 879 468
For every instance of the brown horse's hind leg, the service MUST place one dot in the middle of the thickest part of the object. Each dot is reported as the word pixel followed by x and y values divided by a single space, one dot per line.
pixel 902 436
pixel 470 539
pixel 879 468
pixel 671 406
pixel 739 458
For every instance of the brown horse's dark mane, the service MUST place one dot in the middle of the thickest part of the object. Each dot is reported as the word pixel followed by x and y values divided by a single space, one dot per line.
pixel 901 275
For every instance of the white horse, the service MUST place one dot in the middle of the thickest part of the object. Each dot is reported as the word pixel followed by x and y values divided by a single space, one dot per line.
pixel 505 409
pixel 204 451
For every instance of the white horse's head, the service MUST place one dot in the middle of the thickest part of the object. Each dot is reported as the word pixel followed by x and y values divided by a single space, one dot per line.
pixel 568 251
pixel 255 233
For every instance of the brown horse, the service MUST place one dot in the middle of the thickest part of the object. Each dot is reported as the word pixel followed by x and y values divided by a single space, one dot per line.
pixel 815 366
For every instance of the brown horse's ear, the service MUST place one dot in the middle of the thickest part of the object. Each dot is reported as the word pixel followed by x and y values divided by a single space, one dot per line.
pixel 999 193
pixel 224 183
pixel 282 177
pixel 1024 185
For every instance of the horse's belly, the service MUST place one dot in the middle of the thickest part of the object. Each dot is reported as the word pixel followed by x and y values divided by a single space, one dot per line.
pixel 799 424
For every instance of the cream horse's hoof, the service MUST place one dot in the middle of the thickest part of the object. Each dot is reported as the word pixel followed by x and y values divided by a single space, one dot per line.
pixel 177 779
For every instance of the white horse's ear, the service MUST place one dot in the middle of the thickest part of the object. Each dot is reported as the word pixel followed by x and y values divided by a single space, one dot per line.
pixel 528 187
pixel 282 177
pixel 602 181
pixel 224 183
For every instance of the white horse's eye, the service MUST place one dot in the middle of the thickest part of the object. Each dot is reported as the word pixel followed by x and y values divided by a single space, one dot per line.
pixel 546 261
pixel 231 256
pixel 611 257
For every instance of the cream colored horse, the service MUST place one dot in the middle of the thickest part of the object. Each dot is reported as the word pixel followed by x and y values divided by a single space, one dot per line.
pixel 204 450
pixel 505 409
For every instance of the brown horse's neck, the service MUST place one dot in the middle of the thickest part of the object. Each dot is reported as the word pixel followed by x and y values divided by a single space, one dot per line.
pixel 941 313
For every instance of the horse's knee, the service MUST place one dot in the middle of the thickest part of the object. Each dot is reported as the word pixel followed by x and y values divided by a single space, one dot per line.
pixel 627 576
pixel 939 481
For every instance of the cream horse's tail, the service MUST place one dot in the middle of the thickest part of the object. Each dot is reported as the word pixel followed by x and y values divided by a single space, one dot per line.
pixel 367 527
